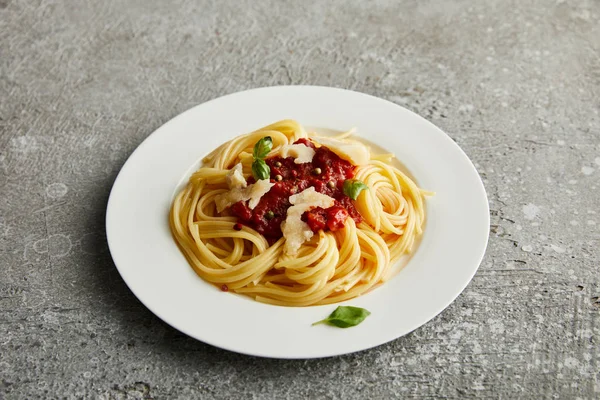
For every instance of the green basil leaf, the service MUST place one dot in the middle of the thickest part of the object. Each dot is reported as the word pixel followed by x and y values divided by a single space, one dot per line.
pixel 262 147
pixel 260 170
pixel 353 187
pixel 345 317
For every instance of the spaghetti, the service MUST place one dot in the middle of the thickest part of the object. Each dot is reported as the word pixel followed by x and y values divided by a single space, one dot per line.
pixel 232 227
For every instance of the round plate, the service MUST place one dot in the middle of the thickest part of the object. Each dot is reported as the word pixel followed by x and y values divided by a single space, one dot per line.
pixel 452 246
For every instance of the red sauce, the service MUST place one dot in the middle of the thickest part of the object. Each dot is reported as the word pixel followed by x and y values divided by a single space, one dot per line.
pixel 271 211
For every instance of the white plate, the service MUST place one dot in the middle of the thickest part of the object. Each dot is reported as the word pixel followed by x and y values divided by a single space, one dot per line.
pixel 151 264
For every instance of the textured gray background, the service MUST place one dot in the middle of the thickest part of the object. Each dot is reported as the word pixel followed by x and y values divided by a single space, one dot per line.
pixel 515 83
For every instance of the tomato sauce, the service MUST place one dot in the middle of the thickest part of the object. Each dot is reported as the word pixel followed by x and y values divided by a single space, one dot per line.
pixel 326 173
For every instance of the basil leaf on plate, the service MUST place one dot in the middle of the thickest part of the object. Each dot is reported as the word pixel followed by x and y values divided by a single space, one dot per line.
pixel 345 317
pixel 260 169
pixel 262 148
pixel 353 187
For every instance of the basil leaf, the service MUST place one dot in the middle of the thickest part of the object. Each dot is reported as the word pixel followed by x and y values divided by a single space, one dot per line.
pixel 345 317
pixel 262 147
pixel 260 169
pixel 353 187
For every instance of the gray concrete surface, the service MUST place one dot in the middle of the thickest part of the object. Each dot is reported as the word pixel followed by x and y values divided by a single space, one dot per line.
pixel 515 83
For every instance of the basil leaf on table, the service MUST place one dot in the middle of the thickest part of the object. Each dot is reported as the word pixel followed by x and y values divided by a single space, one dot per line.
pixel 345 317
pixel 353 187
pixel 260 169
pixel 262 147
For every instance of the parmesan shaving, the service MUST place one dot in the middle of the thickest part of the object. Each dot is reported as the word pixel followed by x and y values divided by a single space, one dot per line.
pixel 253 193
pixel 235 178
pixel 301 153
pixel 258 190
pixel 295 231
pixel 355 152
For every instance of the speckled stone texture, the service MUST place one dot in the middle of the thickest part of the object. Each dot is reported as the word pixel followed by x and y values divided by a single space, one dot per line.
pixel 515 83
